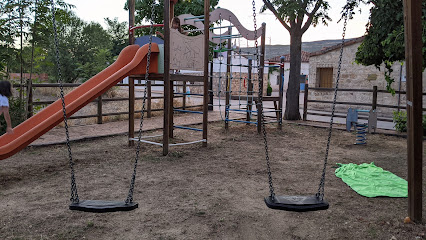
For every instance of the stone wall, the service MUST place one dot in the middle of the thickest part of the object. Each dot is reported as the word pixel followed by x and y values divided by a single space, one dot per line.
pixel 355 76
pixel 239 84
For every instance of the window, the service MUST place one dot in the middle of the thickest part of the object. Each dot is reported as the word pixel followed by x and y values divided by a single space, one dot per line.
pixel 325 77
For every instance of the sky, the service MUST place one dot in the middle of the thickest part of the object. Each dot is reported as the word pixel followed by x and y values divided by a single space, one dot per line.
pixel 97 10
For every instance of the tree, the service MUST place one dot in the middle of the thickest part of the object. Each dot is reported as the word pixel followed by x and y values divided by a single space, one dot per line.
pixel 119 33
pixel 19 14
pixel 296 16
pixel 144 8
pixel 384 42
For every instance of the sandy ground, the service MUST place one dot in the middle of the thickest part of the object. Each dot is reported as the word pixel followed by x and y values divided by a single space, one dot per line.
pixel 214 192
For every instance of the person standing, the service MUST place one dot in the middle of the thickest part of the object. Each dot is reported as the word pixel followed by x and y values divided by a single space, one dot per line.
pixel 5 93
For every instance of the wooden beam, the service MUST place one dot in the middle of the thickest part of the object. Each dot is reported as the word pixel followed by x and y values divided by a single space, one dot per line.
pixel 249 90
pixel 131 21
pixel 131 110
pixel 261 65
pixel 413 58
pixel 167 98
pixel 281 93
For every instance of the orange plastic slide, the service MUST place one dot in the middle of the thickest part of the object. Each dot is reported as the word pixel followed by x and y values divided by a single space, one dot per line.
pixel 132 60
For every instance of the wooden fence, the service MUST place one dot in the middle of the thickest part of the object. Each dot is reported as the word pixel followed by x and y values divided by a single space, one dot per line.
pixel 100 100
pixel 373 104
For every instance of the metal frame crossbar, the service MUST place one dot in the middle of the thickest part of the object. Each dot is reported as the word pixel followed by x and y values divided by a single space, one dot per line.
pixel 189 94
pixel 194 17
pixel 212 28
pixel 187 111
pixel 188 128
pixel 187 143
pixel 172 144
pixel 228 36
pixel 242 110
pixel 240 121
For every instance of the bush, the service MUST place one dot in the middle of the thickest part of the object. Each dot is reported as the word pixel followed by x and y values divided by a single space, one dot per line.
pixel 17 114
pixel 400 120
pixel 269 89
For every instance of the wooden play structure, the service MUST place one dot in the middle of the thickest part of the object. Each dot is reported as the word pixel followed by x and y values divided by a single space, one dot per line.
pixel 191 53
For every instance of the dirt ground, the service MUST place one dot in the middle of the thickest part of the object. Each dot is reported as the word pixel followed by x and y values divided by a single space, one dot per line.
pixel 204 193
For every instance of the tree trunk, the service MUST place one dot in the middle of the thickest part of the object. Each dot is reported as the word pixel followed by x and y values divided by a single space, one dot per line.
pixel 292 95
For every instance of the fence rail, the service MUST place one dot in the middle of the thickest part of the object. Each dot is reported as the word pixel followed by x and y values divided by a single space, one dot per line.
pixel 100 100
pixel 373 104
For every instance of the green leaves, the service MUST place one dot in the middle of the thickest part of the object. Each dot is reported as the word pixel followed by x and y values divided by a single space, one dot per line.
pixel 384 42
pixel 144 8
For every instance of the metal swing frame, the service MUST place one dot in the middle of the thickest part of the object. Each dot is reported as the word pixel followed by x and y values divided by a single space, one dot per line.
pixel 98 206
pixel 298 203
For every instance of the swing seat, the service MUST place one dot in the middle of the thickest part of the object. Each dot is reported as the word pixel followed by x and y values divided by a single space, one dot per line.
pixel 296 203
pixel 99 206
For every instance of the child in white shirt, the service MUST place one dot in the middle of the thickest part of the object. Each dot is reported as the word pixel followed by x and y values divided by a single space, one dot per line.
pixel 5 92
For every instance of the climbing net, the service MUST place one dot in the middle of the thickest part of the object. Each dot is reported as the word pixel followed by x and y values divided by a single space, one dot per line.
pixel 234 73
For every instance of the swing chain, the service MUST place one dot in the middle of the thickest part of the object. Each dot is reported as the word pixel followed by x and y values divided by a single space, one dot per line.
pixel 320 193
pixel 260 107
pixel 138 145
pixel 74 195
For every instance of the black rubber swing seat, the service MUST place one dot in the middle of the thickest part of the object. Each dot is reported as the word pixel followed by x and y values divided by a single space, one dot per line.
pixel 100 206
pixel 296 203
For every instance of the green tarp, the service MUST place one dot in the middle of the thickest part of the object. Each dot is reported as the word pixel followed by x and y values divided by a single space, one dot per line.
pixel 371 181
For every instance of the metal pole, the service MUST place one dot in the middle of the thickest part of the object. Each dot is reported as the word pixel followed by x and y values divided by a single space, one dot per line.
pixel 206 68
pixel 228 80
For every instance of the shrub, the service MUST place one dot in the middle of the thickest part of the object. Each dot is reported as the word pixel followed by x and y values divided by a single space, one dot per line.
pixel 269 89
pixel 400 120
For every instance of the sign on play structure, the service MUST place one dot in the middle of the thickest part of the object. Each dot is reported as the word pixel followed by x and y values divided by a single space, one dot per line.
pixel 186 53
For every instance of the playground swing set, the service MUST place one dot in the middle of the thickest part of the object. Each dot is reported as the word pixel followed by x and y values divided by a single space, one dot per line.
pixel 131 62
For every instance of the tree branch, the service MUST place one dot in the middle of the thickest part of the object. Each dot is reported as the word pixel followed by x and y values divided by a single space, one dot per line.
pixel 311 16
pixel 272 9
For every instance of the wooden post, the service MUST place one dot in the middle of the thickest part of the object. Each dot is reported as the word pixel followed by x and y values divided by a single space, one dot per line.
pixel 206 69
pixel 374 103
pixel 171 92
pixel 166 122
pixel 172 9
pixel 249 90
pixel 100 109
pixel 149 96
pixel 305 102
pixel 413 58
pixel 211 102
pixel 281 92
pixel 228 80
pixel 171 108
pixel 184 95
pixel 30 98
pixel 131 21
pixel 131 110
pixel 261 65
